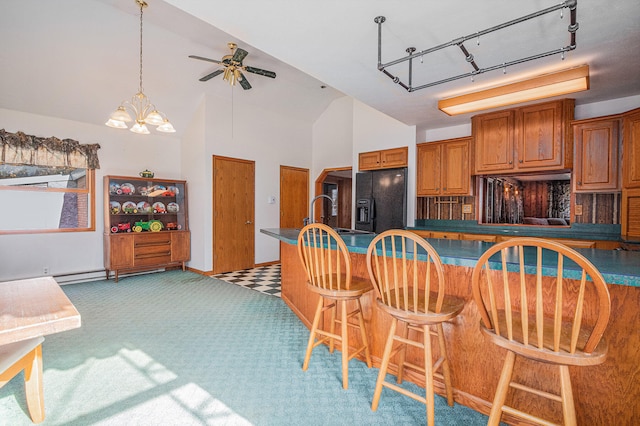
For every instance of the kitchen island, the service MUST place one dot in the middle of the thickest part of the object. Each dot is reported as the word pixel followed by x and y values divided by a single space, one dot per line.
pixel 603 394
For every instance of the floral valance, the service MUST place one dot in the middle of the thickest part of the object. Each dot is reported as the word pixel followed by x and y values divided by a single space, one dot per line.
pixel 19 148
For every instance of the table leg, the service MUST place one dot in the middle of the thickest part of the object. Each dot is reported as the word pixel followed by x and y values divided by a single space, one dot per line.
pixel 33 384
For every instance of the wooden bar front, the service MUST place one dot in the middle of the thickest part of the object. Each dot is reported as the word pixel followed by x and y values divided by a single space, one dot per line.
pixel 604 394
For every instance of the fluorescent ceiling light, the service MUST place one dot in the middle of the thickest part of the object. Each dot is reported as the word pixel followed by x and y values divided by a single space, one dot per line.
pixel 545 86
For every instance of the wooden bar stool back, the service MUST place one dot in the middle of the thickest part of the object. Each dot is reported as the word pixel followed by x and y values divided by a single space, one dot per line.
pixel 411 289
pixel 326 261
pixel 556 319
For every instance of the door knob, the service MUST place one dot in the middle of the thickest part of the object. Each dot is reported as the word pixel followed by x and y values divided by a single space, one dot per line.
pixel 248 222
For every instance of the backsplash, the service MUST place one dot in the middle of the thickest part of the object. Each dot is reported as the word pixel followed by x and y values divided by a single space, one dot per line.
pixel 599 208
pixel 445 208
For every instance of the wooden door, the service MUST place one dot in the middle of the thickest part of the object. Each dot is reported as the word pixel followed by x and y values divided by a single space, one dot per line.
pixel 233 214
pixel 294 196
pixel 428 160
pixel 596 156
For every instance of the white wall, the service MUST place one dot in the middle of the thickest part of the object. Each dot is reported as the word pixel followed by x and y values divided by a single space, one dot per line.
pixel 121 153
pixel 332 139
pixel 269 138
pixel 372 131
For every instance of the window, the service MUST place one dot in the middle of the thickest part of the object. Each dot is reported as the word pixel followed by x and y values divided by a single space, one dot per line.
pixel 46 185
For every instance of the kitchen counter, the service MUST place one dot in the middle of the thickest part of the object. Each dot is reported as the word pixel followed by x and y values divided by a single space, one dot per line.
pixel 603 392
pixel 616 266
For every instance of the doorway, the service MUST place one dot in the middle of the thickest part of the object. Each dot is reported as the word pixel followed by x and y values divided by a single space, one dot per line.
pixel 233 214
pixel 294 196
pixel 337 184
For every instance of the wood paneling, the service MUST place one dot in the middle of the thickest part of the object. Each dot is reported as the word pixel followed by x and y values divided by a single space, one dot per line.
pixel 604 393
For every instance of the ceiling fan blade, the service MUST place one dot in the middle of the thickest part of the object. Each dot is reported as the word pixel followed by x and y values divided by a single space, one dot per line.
pixel 258 71
pixel 243 81
pixel 210 76
pixel 205 59
pixel 239 55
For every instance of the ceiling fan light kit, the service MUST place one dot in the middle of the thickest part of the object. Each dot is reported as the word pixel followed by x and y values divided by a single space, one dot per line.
pixel 233 67
pixel 469 58
pixel 143 110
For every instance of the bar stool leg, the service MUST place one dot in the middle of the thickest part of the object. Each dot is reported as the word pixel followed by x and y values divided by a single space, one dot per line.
pixel 428 368
pixel 402 354
pixel 345 343
pixel 501 391
pixel 568 407
pixel 363 333
pixel 385 364
pixel 312 334
pixel 446 370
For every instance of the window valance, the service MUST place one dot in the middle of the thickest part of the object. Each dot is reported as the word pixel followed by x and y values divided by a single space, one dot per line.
pixel 19 148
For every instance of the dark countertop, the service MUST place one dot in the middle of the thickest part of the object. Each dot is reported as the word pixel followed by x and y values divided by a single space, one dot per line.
pixel 616 266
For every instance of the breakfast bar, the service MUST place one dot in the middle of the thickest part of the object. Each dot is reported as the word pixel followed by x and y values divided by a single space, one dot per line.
pixel 604 394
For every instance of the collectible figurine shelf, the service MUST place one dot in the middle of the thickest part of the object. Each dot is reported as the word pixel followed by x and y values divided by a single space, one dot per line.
pixel 146 225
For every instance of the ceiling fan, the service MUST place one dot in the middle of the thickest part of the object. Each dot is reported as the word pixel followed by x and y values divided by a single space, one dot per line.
pixel 233 67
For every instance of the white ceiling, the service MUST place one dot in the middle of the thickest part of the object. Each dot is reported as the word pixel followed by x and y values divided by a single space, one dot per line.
pixel 78 59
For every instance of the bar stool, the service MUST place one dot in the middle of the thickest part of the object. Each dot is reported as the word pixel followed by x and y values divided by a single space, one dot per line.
pixel 411 288
pixel 326 261
pixel 541 317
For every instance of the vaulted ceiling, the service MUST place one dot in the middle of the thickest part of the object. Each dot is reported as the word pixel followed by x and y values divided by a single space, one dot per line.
pixel 78 59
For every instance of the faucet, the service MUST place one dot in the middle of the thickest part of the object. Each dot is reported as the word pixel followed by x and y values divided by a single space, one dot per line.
pixel 310 219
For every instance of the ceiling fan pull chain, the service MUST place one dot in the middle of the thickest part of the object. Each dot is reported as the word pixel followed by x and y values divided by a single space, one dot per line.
pixel 477 38
pixel 561 13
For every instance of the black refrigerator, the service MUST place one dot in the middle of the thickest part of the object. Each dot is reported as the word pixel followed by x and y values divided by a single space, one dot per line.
pixel 381 200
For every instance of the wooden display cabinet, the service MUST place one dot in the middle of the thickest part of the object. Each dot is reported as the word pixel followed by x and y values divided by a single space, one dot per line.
pixel 597 155
pixel 146 224
pixel 444 168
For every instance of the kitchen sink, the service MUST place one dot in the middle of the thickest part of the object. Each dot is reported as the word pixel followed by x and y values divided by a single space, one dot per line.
pixel 347 231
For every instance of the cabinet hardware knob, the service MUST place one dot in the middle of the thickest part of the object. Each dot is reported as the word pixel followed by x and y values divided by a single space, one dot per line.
pixel 510 162
pixel 520 161
pixel 579 183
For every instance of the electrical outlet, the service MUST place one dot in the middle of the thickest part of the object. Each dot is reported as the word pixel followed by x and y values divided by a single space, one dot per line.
pixel 45 270
pixel 466 208
pixel 578 210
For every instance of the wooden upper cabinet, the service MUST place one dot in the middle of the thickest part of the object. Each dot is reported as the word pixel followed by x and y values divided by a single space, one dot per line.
pixel 630 206
pixel 385 159
pixel 494 141
pixel 544 135
pixel 631 149
pixel 526 139
pixel 596 165
pixel 444 168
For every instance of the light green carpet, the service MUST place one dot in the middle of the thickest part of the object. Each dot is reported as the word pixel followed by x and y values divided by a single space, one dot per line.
pixel 177 348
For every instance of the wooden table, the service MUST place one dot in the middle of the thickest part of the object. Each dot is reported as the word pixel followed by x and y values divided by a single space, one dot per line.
pixel 31 309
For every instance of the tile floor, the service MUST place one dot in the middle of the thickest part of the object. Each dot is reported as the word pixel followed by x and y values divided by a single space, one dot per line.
pixel 265 279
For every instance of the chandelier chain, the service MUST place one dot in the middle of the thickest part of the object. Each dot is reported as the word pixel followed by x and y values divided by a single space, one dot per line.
pixel 140 86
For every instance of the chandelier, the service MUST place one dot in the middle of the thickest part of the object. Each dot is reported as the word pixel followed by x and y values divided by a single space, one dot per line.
pixel 143 110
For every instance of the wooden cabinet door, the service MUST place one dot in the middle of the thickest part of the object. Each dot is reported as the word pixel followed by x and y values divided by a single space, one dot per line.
pixel 455 169
pixel 630 214
pixel 180 246
pixel 596 162
pixel 120 251
pixel 369 160
pixel 631 149
pixel 428 163
pixel 539 133
pixel 544 136
pixel 396 157
pixel 494 141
